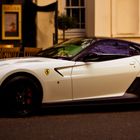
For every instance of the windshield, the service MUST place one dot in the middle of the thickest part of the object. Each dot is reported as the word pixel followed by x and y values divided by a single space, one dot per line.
pixel 67 49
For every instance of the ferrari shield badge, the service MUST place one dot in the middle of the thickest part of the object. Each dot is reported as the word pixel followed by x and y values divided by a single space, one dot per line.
pixel 47 71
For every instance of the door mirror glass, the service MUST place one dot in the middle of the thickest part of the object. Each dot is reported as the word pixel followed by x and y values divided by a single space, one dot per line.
pixel 91 58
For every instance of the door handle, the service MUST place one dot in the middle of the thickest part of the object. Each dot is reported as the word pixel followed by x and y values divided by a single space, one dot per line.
pixel 132 63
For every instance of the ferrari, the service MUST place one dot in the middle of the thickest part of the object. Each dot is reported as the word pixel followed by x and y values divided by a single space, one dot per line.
pixel 79 70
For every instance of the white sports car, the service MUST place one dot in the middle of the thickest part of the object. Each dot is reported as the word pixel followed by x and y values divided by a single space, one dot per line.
pixel 78 70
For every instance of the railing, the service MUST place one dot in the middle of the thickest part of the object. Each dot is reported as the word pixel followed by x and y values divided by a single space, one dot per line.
pixel 9 52
pixel 15 52
pixel 31 51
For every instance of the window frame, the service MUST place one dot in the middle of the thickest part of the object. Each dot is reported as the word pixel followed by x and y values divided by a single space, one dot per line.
pixel 70 7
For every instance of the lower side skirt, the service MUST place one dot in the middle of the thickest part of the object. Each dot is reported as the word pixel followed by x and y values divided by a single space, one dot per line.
pixel 126 99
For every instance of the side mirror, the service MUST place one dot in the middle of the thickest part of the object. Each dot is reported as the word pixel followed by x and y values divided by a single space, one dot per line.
pixel 91 58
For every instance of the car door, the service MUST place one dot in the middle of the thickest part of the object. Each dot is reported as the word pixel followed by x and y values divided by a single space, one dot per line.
pixel 107 71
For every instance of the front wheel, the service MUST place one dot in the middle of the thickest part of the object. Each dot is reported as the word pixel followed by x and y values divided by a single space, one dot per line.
pixel 22 95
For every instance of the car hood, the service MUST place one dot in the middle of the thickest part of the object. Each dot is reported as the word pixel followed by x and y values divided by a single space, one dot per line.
pixel 11 61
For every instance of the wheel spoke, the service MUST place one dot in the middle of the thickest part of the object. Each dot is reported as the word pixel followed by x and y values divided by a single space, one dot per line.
pixel 24 99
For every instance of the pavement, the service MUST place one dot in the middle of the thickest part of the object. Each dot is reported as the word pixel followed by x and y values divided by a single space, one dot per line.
pixel 120 122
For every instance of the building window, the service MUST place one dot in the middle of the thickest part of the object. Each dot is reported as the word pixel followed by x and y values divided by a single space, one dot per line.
pixel 76 9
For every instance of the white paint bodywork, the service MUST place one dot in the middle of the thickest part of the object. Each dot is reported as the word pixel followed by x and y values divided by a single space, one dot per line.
pixel 69 80
pixel 104 79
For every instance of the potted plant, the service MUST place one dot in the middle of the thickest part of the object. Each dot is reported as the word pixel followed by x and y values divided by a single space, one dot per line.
pixel 65 23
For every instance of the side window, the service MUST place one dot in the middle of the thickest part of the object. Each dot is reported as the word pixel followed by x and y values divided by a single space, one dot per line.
pixel 107 50
pixel 111 48
pixel 133 51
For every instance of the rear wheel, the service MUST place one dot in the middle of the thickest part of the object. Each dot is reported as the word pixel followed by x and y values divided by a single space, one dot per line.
pixel 22 95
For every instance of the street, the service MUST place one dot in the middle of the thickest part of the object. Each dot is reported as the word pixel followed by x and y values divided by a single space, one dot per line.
pixel 121 122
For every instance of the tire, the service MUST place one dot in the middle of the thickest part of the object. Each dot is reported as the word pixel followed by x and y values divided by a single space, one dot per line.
pixel 22 95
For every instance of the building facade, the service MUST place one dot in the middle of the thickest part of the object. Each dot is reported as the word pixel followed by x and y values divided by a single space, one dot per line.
pixel 99 18
pixel 95 18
